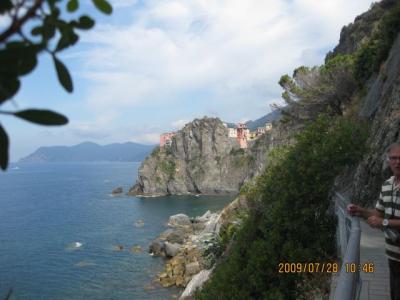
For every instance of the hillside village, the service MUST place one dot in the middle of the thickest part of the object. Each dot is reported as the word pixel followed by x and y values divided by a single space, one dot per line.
pixel 239 132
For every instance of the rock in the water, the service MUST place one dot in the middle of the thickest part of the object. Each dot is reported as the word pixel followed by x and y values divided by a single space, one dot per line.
pixel 139 223
pixel 136 249
pixel 157 248
pixel 118 247
pixel 117 191
pixel 179 220
pixel 84 263
pixel 177 236
pixel 171 249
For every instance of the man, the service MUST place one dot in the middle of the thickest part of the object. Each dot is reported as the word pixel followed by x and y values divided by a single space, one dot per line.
pixel 386 215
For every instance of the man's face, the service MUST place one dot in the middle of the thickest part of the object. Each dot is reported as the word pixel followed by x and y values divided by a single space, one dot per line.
pixel 394 161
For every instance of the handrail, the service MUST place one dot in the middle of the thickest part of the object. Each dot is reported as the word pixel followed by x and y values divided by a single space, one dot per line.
pixel 349 234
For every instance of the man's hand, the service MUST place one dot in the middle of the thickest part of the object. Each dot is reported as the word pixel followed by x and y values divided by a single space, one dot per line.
pixel 354 210
pixel 375 222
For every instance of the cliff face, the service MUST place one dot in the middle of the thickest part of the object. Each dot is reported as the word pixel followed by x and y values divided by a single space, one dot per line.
pixel 201 159
pixel 382 108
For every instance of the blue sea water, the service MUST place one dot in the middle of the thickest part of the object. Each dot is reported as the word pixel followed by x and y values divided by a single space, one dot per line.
pixel 45 209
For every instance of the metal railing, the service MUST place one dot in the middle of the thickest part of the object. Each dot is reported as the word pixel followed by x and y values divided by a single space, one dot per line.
pixel 348 239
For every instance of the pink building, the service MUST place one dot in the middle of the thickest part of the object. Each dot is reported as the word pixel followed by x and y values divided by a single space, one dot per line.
pixel 242 135
pixel 165 138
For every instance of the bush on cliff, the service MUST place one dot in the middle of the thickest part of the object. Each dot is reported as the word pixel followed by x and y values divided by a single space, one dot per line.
pixel 291 221
pixel 370 57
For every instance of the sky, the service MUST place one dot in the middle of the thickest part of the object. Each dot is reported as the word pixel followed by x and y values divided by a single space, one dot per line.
pixel 155 65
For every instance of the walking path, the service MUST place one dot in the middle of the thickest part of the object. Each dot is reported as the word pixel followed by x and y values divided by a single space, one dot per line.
pixel 375 286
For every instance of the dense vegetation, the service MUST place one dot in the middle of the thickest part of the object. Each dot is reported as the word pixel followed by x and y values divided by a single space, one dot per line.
pixel 370 57
pixel 290 220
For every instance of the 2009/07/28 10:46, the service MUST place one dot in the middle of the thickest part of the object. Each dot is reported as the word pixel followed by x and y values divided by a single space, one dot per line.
pixel 326 267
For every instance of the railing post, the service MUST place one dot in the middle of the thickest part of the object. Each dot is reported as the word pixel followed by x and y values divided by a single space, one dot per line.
pixel 349 283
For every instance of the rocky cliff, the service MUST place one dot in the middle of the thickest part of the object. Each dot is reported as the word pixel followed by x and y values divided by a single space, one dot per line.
pixel 202 159
pixel 380 107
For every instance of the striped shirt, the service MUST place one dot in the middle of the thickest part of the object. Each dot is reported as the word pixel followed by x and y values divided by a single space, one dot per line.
pixel 389 204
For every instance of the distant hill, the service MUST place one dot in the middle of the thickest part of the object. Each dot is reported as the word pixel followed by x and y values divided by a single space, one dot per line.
pixel 253 125
pixel 89 151
pixel 272 116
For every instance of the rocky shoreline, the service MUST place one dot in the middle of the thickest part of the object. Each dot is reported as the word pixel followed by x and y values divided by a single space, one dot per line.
pixel 192 246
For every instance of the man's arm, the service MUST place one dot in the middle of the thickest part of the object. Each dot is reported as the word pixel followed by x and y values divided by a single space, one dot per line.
pixel 374 216
pixel 365 213
pixel 394 223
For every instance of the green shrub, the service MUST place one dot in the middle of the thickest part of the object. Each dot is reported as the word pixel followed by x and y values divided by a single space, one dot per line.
pixel 168 150
pixel 370 57
pixel 238 151
pixel 168 167
pixel 155 151
pixel 242 161
pixel 292 222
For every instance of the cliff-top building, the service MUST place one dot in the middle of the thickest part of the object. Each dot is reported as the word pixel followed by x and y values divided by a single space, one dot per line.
pixel 165 138
pixel 242 135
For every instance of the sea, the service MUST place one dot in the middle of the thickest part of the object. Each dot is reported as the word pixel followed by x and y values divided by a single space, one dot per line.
pixel 64 236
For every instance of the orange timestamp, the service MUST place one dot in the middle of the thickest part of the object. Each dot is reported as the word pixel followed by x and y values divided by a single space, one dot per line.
pixel 367 267
pixel 308 267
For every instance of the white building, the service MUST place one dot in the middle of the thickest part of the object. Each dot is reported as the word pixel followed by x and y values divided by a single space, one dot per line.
pixel 232 132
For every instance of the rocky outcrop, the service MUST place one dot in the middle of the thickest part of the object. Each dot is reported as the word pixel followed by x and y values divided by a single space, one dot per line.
pixel 202 159
pixel 194 244
pixel 117 191
pixel 358 33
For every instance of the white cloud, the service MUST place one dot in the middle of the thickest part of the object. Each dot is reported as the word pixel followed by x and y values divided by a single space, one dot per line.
pixel 232 49
pixel 123 3
pixel 179 124
pixel 146 138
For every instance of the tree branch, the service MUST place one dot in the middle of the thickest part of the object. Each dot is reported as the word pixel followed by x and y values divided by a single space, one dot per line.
pixel 16 25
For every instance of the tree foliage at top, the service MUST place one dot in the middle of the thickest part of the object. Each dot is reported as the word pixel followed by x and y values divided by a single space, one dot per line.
pixel 324 89
pixel 33 27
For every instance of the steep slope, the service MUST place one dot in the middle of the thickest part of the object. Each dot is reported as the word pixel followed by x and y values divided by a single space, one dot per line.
pixel 382 107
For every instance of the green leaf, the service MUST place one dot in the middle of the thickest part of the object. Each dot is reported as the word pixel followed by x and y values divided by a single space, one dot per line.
pixel 49 28
pixel 8 88
pixel 72 5
pixel 63 75
pixel 42 117
pixel 18 59
pixel 84 22
pixel 4 145
pixel 68 38
pixel 103 6
pixel 27 60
